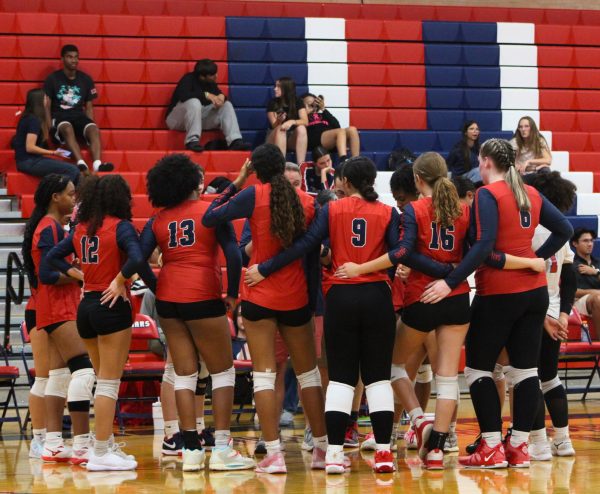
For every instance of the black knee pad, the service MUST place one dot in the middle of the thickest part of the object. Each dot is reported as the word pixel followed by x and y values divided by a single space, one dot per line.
pixel 201 385
pixel 79 362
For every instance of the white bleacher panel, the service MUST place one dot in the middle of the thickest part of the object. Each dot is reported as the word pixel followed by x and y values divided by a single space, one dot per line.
pixel 548 136
pixel 335 96
pixel 522 33
pixel 518 55
pixel 560 161
pixel 328 74
pixel 326 51
pixel 588 203
pixel 583 180
pixel 388 199
pixel 324 28
pixel 510 118
pixel 343 116
pixel 520 99
pixel 518 77
pixel 382 182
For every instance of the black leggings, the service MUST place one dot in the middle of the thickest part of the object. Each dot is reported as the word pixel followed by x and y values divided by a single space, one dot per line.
pixel 360 327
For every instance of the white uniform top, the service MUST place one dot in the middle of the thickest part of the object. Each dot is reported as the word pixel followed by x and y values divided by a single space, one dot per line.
pixel 553 268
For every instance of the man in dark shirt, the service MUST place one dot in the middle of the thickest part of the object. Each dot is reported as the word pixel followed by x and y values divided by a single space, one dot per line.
pixel 587 273
pixel 198 103
pixel 71 115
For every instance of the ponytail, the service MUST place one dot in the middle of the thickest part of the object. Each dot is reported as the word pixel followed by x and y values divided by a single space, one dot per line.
pixel 446 203
pixel 287 214
pixel 516 185
pixel 360 171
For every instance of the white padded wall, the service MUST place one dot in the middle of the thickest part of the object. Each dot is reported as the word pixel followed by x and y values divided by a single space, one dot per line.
pixel 560 161
pixel 519 77
pixel 520 99
pixel 327 74
pixel 583 180
pixel 326 51
pixel 510 118
pixel 518 55
pixel 515 33
pixel 382 182
pixel 588 204
pixel 548 136
pixel 324 28
pixel 335 96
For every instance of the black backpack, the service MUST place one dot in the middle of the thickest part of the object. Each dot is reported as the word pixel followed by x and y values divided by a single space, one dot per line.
pixel 401 157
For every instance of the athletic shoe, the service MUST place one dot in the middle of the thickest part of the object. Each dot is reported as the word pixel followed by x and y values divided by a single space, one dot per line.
pixel 261 448
pixel 229 459
pixel 116 449
pixel 274 463
pixel 193 459
pixel 384 462
pixel 410 438
pixel 207 440
pixel 336 463
pixel 109 461
pixel 369 443
pixel 318 459
pixel 518 457
pixel 562 448
pixel 80 456
pixel 434 460
pixel 540 451
pixel 485 457
pixel 451 444
pixel 307 442
pixel 60 454
pixel 36 448
pixel 394 441
pixel 351 437
pixel 106 167
pixel 471 448
pixel 423 428
pixel 138 287
pixel 173 446
pixel 507 436
pixel 286 419
pixel 239 145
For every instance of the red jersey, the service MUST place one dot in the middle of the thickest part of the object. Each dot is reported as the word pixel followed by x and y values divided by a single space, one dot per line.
pixel 31 302
pixel 514 236
pixel 441 244
pixel 54 303
pixel 285 289
pixel 357 233
pixel 100 256
pixel 398 289
pixel 190 271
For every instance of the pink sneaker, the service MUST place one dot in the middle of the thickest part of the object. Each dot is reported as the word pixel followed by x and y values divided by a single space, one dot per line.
pixel 318 459
pixel 274 463
pixel 410 438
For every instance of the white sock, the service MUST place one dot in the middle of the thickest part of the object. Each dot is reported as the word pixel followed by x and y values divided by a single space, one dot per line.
pixel 415 413
pixel 538 436
pixel 561 433
pixel 100 447
pixel 518 437
pixel 320 442
pixel 54 439
pixel 96 164
pixel 382 447
pixel 81 441
pixel 200 424
pixel 222 438
pixel 273 447
pixel 333 449
pixel 492 438
pixel 171 427
pixel 81 162
pixel 39 434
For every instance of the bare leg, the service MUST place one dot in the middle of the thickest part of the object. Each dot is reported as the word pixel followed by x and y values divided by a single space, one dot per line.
pixel 299 142
pixel 55 405
pixel 335 138
pixel 167 397
pixel 353 140
pixel 92 135
pixel 39 348
pixel 409 343
pixel 66 131
pixel 279 138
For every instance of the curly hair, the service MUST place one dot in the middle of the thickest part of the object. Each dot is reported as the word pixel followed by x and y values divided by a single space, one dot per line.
pixel 431 168
pixel 502 154
pixel 287 214
pixel 51 184
pixel 100 197
pixel 558 190
pixel 360 171
pixel 403 181
pixel 172 180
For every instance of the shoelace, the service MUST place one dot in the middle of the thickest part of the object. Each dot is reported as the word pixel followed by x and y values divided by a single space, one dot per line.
pixel 116 449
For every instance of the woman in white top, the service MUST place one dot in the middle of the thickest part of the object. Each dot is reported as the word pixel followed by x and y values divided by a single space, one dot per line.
pixel 532 150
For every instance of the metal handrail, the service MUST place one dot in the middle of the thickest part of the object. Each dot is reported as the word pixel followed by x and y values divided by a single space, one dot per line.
pixel 13 262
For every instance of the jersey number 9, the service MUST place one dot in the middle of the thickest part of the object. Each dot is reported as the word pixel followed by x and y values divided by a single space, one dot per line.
pixel 441 236
pixel 181 234
pixel 89 249
pixel 359 232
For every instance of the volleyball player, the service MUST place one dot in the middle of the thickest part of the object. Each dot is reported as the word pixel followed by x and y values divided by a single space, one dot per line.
pixel 277 213
pixel 71 374
pixel 359 314
pixel 509 307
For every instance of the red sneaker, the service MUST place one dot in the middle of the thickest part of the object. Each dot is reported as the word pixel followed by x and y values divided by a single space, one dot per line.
pixel 485 457
pixel 384 462
pixel 423 430
pixel 518 457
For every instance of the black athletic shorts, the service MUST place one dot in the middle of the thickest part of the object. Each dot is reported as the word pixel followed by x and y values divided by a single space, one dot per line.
pixel 296 317
pixel 30 319
pixel 190 311
pixel 95 319
pixel 454 310
pixel 79 121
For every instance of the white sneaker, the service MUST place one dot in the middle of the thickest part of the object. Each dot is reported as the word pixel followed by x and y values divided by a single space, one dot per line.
pixel 193 459
pixel 60 454
pixel 451 444
pixel 369 443
pixel 336 463
pixel 81 456
pixel 109 461
pixel 36 448
pixel 116 448
pixel 410 438
pixel 562 448
pixel 229 459
pixel 540 451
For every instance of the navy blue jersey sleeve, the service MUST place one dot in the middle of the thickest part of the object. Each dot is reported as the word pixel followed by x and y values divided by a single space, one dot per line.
pixel 245 239
pixel 147 240
pixel 559 226
pixel 496 259
pixel 49 275
pixel 128 242
pixel 56 258
pixel 229 206
pixel 484 217
pixel 226 238
pixel 316 233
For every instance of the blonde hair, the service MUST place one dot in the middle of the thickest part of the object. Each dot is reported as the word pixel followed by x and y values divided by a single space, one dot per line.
pixel 431 168
pixel 503 156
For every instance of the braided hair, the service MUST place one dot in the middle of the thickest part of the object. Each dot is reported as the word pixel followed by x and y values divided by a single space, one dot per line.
pixel 360 171
pixel 503 155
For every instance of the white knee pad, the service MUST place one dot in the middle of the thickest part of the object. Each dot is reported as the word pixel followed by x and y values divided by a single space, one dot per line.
pixel 380 397
pixel 519 375
pixel 264 381
pixel 472 375
pixel 498 373
pixel 81 385
pixel 310 379
pixel 58 382
pixel 186 382
pixel 39 386
pixel 509 383
pixel 549 385
pixel 339 397
pixel 398 372
pixel 225 379
pixel 425 374
pixel 169 374
pixel 447 387
pixel 108 387
pixel 203 372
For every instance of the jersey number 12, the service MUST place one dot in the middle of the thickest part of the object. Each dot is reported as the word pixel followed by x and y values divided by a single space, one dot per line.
pixel 89 249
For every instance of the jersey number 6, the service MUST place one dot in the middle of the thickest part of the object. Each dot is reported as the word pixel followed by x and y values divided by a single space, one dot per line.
pixel 359 232
pixel 186 236
pixel 89 249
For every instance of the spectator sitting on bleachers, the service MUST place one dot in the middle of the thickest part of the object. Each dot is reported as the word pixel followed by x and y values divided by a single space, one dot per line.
pixel 288 119
pixel 198 103
pixel 318 174
pixel 463 159
pixel 324 129
pixel 587 273
pixel 532 150
pixel 466 189
pixel 71 113
pixel 30 141
pixel 293 174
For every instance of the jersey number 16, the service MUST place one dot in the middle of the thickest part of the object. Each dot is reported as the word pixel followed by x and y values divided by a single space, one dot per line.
pixel 440 236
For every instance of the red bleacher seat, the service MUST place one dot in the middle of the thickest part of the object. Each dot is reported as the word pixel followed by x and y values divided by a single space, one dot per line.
pixel 121 94
pixel 199 48
pixel 557 99
pixel 227 161
pixel 372 11
pixel 156 26
pixel 409 53
pixel 124 48
pixel 589 120
pixel 594 141
pixel 121 25
pixel 7 22
pixel 571 141
pixel 36 23
pixel 369 97
pixel 408 119
pixel 588 100
pixel 418 13
pixel 141 207
pixel 82 24
pixel 586 57
pixel 556 78
pixel 527 15
pixel 366 75
pixel 217 8
pixel 559 120
pixel 135 180
pixel 363 29
pixel 369 118
pixel 130 139
pixel 205 27
pixel 402 30
pixel 345 10
pixel 555 56
pixel 9 47
pixel 158 94
pixel 406 75
pixel 563 16
pixel 587 78
pixel 20 183
pixel 112 7
pixel 9 117
pixel 265 9
pixel 587 35
pixel 553 35
pixel 145 7
pixel 166 49
pixel 451 13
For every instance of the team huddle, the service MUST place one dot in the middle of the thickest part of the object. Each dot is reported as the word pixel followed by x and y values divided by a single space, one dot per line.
pixel 389 286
